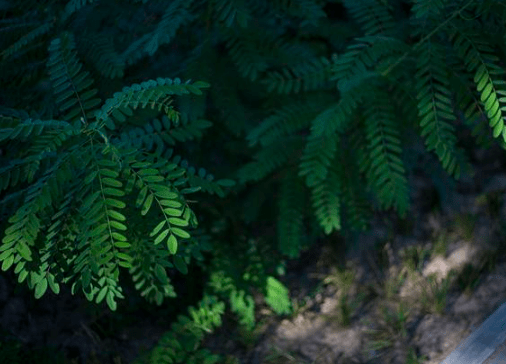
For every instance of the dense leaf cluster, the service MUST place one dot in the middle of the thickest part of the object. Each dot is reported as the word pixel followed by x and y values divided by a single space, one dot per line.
pixel 314 105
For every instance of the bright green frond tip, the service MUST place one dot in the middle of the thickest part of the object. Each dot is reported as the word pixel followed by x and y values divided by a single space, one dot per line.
pixel 278 297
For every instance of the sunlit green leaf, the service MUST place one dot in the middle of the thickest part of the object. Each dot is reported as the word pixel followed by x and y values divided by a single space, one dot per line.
pixel 6 254
pixel 122 244
pixel 162 236
pixel 117 225
pixel 157 228
pixel 177 222
pixel 115 203
pixel 119 237
pixel 164 192
pixel 172 244
pixel 110 301
pixel 125 264
pixel 101 295
pixel 113 192
pixel 142 195
pixel 109 173
pixel 41 288
pixel 55 287
pixel 173 212
pixel 116 215
pixel 278 296
pixel 153 179
pixel 147 204
pixel 111 182
pixel 180 232
pixel 171 203
pixel 124 256
pixel 24 251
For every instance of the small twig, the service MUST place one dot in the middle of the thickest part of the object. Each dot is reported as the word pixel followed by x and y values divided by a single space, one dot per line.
pixel 93 335
pixel 424 39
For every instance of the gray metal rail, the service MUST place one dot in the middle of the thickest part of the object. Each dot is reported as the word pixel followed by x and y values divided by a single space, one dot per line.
pixel 486 345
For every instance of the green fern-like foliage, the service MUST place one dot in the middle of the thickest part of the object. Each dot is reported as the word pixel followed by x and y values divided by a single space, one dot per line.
pixel 455 70
pixel 231 12
pixel 313 74
pixel 71 87
pixel 26 39
pixel 238 268
pixel 182 344
pixel 385 171
pixel 373 16
pixel 100 50
pixel 309 91
pixel 241 302
pixel 480 60
pixel 435 107
pixel 277 296
pixel 174 15
pixel 322 109
pixel 80 183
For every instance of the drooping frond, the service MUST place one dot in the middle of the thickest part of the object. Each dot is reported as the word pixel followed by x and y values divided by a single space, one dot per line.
pixel 160 133
pixel 74 6
pixel 26 40
pixel 230 12
pixel 323 138
pixel 270 158
pixel 474 115
pixel 326 201
pixel 373 15
pixel 339 101
pixel 309 75
pixel 100 50
pixel 363 58
pixel 148 272
pixel 480 59
pixel 174 16
pixel 245 56
pixel 435 108
pixel 309 11
pixel 71 87
pixel 155 94
pixel 428 8
pixel 286 120
pixel 386 170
